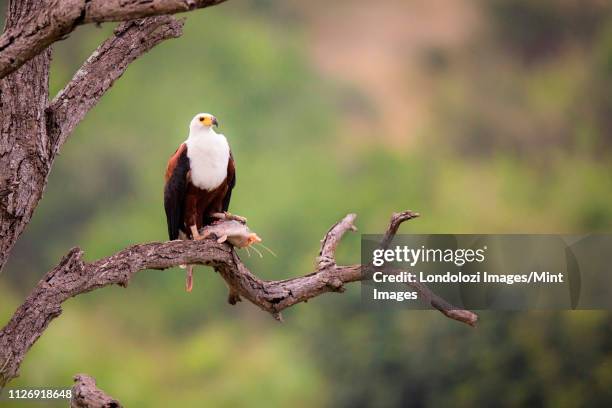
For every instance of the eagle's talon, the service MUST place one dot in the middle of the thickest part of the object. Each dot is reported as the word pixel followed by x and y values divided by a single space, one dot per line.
pixel 195 234
pixel 230 216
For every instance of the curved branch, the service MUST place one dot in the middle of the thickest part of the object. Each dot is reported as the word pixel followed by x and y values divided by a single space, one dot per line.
pixel 59 18
pixel 85 394
pixel 72 277
pixel 105 65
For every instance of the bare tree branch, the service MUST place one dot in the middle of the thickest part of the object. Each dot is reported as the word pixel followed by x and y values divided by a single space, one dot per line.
pixel 57 18
pixel 72 277
pixel 105 65
pixel 85 394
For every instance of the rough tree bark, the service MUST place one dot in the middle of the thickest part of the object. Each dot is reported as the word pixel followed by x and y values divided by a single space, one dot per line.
pixel 24 144
pixel 32 132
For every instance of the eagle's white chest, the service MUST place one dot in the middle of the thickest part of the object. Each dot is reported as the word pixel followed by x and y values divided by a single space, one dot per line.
pixel 208 155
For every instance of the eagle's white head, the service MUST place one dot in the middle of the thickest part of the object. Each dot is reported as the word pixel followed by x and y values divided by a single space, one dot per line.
pixel 208 152
pixel 202 122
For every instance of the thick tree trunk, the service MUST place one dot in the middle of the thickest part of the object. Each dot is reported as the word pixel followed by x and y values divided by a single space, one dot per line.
pixel 24 144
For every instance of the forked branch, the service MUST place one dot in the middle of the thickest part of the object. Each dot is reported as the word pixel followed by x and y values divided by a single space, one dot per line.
pixel 73 277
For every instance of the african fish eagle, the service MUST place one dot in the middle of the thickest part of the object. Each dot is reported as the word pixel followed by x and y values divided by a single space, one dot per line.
pixel 199 180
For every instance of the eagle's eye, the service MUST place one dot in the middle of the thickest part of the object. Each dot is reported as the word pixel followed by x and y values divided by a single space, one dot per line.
pixel 202 118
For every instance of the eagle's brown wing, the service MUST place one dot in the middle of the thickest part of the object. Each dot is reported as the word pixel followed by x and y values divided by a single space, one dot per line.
pixel 175 191
pixel 231 181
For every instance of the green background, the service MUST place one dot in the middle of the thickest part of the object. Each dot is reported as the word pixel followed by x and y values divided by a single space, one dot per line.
pixel 507 130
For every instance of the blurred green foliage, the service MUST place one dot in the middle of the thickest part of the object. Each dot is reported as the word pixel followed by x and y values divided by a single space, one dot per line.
pixel 520 142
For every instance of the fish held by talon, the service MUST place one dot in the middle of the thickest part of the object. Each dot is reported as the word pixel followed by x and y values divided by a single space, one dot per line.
pixel 234 232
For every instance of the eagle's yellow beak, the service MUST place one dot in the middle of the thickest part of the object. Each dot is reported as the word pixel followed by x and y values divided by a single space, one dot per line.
pixel 209 121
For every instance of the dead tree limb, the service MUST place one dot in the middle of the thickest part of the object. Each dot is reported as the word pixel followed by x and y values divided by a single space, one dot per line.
pixel 86 394
pixel 72 277
pixel 53 20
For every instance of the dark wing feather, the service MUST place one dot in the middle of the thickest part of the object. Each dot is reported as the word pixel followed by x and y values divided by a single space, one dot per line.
pixel 231 181
pixel 175 191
